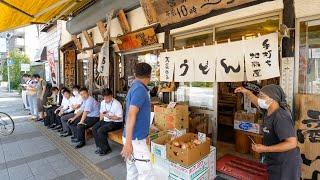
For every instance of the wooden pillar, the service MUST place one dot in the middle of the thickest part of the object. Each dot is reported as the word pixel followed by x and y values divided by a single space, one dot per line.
pixel 76 42
pixel 88 38
pixel 289 21
pixel 125 26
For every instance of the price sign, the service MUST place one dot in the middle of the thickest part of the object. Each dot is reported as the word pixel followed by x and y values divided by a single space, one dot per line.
pixel 202 137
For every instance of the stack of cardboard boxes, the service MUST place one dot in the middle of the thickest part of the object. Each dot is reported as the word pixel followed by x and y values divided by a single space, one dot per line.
pixel 179 162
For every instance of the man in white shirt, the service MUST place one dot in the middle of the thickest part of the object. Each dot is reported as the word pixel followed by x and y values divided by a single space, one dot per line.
pixel 63 109
pixel 76 102
pixel 111 119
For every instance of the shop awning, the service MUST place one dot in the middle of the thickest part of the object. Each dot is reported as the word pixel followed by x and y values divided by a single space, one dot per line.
pixel 17 13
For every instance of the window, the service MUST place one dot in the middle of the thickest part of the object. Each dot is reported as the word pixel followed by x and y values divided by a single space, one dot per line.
pixel 309 57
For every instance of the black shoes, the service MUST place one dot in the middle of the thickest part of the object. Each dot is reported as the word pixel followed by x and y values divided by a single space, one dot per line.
pixel 52 126
pixel 65 135
pixel 103 153
pixel 80 145
pixel 75 140
pixel 57 127
pixel 72 137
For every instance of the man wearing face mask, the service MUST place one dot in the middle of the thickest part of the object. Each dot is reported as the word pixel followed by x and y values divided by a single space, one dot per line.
pixel 76 102
pixel 280 150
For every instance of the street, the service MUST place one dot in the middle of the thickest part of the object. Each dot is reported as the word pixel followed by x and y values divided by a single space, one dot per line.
pixel 34 152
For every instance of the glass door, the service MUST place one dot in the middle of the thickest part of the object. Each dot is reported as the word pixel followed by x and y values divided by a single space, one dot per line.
pixel 309 57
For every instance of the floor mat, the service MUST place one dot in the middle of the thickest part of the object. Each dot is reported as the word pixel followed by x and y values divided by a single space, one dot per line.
pixel 240 168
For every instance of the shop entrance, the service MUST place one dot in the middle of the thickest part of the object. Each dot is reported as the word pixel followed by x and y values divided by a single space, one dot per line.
pixel 219 98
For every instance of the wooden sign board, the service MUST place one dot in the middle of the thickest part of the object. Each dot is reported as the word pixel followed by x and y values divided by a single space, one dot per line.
pixel 138 39
pixel 173 11
pixel 149 11
pixel 69 68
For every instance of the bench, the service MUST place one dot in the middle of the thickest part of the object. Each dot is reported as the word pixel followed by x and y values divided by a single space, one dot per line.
pixel 115 136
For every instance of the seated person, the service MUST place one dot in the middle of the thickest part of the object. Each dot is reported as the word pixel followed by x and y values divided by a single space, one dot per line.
pixel 111 118
pixel 85 118
pixel 76 102
pixel 62 110
pixel 57 97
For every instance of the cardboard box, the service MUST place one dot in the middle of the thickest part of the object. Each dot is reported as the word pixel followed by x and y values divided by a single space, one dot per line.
pixel 248 117
pixel 193 172
pixel 160 163
pixel 187 156
pixel 171 118
pixel 158 146
pixel 155 135
pixel 247 126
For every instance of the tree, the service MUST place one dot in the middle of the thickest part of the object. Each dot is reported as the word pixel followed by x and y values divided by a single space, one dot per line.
pixel 17 58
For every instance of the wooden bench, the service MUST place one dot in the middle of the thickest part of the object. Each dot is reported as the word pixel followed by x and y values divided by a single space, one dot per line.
pixel 115 136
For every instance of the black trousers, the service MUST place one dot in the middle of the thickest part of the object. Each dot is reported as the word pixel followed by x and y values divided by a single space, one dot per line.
pixel 100 131
pixel 49 120
pixel 90 121
pixel 57 118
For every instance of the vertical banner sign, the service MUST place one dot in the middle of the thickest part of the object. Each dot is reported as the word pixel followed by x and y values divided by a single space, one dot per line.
pixel 52 67
pixel 183 65
pixel 230 62
pixel 166 67
pixel 262 57
pixel 204 62
pixel 173 11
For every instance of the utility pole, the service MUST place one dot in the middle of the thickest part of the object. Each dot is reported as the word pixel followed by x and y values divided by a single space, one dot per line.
pixel 8 66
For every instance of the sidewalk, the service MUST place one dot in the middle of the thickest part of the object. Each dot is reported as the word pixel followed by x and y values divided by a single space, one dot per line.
pixel 33 152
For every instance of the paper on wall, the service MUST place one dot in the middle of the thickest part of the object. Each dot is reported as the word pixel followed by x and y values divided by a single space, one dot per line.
pixel 166 66
pixel 230 62
pixel 184 65
pixel 262 57
pixel 204 64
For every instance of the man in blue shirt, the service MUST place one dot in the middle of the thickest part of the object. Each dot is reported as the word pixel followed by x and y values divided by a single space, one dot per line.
pixel 87 116
pixel 138 108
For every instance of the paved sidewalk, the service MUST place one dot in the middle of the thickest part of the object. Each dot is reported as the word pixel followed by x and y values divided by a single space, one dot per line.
pixel 29 154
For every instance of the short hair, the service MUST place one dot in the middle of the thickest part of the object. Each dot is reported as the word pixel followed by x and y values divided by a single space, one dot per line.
pixel 107 92
pixel 54 89
pixel 84 89
pixel 143 70
pixel 76 87
pixel 67 91
pixel 63 89
pixel 26 75
pixel 36 76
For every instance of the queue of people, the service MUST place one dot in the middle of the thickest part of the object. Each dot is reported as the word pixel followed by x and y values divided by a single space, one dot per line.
pixel 71 112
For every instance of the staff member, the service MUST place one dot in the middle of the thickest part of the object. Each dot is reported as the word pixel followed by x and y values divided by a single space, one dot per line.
pixel 280 149
pixel 110 120
pixel 135 150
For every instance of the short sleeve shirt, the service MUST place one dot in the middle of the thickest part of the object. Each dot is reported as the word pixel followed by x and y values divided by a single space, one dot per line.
pixel 138 96
pixel 66 103
pixel 91 106
pixel 276 128
pixel 114 108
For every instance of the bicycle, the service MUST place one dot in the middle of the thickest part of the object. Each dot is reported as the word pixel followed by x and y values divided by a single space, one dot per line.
pixel 6 124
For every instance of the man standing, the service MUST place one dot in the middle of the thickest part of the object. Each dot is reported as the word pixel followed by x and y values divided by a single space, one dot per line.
pixel 138 108
pixel 85 118
pixel 110 120
pixel 41 90
pixel 76 102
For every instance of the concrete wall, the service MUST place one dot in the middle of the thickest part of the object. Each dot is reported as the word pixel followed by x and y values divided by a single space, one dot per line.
pixel 304 8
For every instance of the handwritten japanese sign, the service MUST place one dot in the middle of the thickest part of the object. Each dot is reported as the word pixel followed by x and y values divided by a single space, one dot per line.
pixel 262 57
pixel 230 62
pixel 184 65
pixel 166 66
pixel 138 39
pixel 173 11
pixel 204 62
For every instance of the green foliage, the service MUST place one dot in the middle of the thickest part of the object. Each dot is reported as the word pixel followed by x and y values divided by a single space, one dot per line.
pixel 18 58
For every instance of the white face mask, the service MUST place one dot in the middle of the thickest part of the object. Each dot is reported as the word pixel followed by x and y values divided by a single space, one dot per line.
pixel 263 104
pixel 75 93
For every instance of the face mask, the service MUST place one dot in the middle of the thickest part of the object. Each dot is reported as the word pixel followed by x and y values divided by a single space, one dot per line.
pixel 263 104
pixel 75 93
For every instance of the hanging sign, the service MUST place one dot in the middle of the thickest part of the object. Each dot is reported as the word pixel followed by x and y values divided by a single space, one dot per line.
pixel 204 62
pixel 173 11
pixel 137 39
pixel 230 62
pixel 166 66
pixel 24 67
pixel 262 57
pixel 183 65
pixel 52 67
